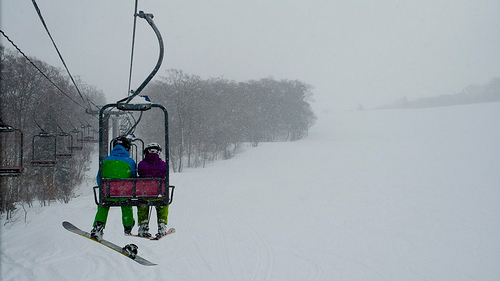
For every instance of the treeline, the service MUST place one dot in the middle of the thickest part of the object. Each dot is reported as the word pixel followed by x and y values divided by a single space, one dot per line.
pixel 489 92
pixel 30 103
pixel 211 118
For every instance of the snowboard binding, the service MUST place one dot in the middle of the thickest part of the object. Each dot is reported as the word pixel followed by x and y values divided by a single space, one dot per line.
pixel 130 250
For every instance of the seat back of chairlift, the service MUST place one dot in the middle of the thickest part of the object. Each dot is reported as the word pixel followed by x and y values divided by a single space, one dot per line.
pixel 76 148
pixel 135 192
pixel 87 136
pixel 90 139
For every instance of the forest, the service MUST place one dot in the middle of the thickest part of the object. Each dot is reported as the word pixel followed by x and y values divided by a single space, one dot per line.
pixel 55 118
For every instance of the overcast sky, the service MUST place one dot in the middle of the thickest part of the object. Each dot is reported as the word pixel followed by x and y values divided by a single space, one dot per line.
pixel 352 51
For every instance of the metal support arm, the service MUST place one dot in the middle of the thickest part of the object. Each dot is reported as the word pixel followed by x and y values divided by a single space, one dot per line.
pixel 149 19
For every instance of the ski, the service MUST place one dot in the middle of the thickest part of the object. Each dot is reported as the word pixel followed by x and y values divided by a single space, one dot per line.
pixel 154 238
pixel 129 250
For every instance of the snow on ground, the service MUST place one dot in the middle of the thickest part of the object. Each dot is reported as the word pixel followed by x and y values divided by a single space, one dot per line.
pixel 369 195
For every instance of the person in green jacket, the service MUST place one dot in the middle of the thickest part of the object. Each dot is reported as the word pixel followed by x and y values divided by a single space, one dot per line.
pixel 117 165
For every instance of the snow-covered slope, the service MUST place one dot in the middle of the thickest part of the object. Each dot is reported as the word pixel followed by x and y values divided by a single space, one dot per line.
pixel 369 195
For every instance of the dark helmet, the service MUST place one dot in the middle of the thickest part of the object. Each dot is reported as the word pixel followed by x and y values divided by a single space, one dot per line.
pixel 123 141
pixel 152 148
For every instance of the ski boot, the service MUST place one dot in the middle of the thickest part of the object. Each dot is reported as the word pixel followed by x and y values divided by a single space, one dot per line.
pixel 128 229
pixel 144 231
pixel 130 250
pixel 162 229
pixel 98 231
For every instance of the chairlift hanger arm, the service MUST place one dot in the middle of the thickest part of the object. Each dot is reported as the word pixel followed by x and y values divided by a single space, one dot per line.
pixel 149 19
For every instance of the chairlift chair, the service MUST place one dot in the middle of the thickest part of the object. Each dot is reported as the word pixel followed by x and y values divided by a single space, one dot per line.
pixel 64 145
pixel 89 135
pixel 131 191
pixel 78 135
pixel 134 191
pixel 44 150
pixel 8 133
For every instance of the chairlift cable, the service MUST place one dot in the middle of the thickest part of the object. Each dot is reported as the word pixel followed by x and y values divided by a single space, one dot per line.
pixel 55 46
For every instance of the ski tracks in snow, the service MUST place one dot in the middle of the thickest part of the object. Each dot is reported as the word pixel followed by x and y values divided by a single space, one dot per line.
pixel 265 261
pixel 223 254
pixel 266 258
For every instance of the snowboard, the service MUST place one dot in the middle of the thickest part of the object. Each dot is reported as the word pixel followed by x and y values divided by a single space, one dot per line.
pixel 154 238
pixel 70 227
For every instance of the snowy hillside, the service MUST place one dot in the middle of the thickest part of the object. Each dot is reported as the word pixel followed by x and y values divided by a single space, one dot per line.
pixel 369 195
